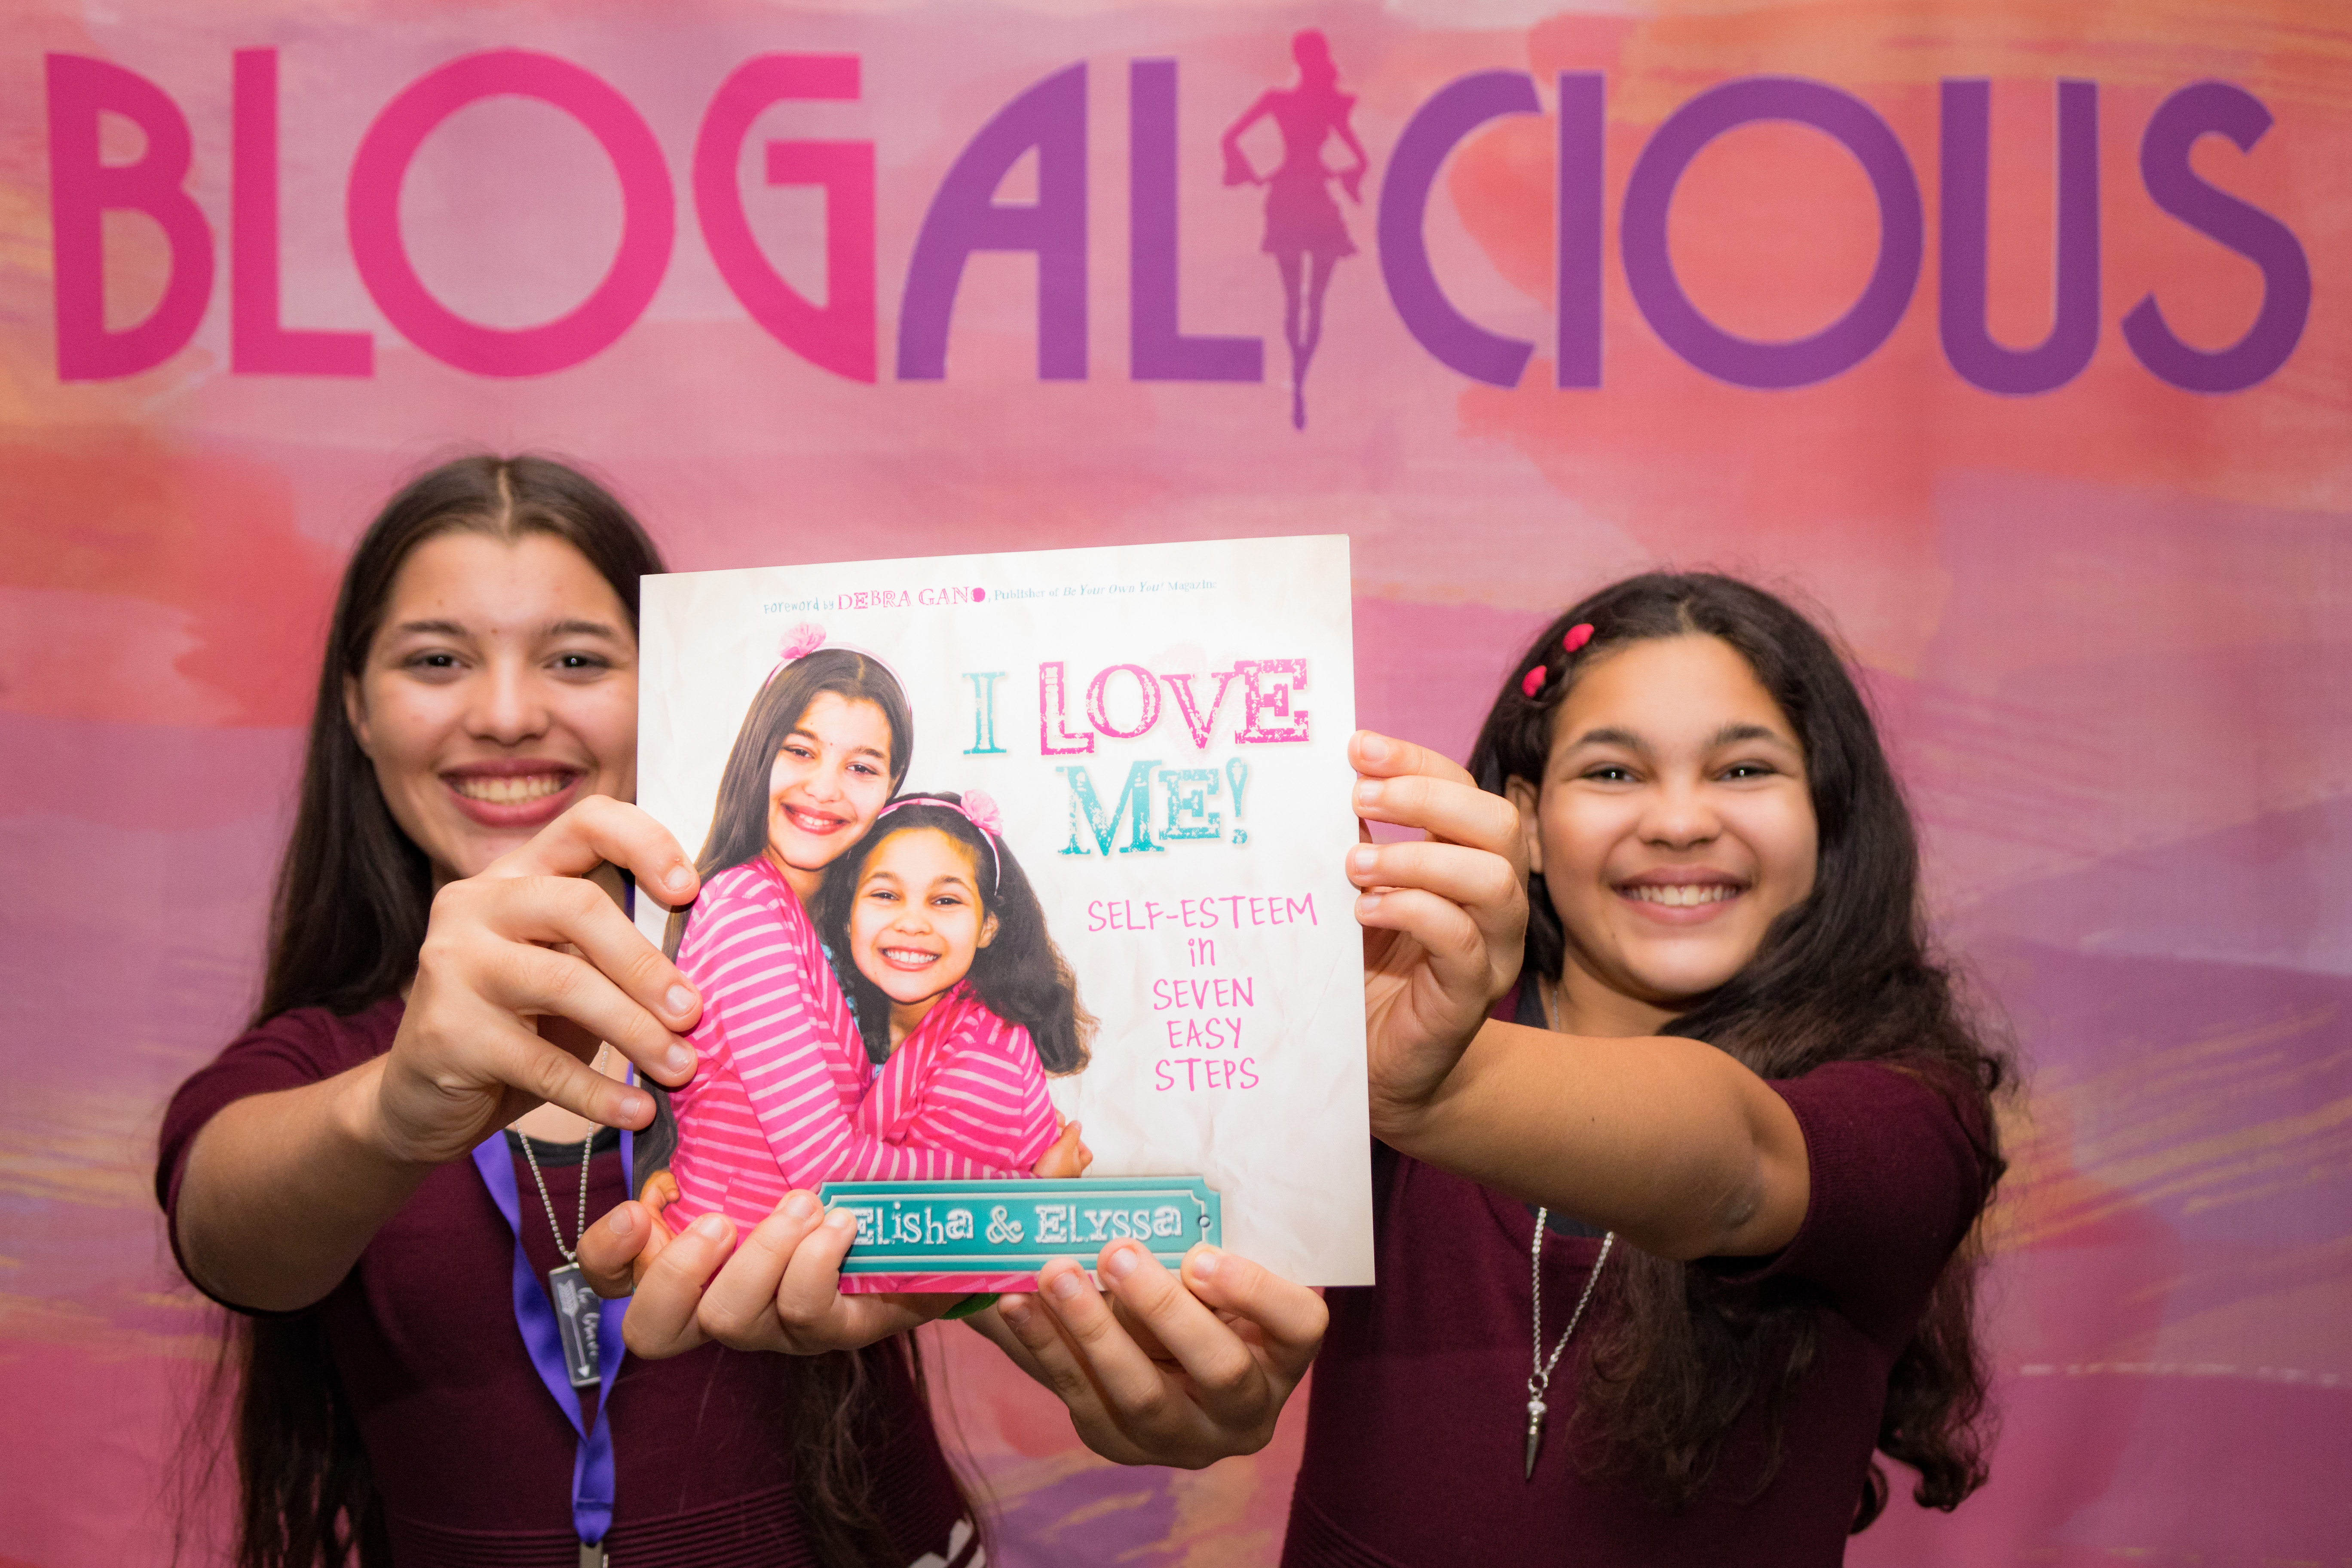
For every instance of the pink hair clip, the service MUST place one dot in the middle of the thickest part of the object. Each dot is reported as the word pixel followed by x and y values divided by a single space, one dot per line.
pixel 1577 636
pixel 1532 682
pixel 799 642
pixel 980 806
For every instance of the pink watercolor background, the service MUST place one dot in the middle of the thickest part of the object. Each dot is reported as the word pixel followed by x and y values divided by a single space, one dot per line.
pixel 2105 624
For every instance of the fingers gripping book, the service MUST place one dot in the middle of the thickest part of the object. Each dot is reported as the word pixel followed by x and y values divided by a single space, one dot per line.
pixel 1024 925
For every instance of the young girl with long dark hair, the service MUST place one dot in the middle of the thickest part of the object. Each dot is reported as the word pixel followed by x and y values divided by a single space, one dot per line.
pixel 475 718
pixel 1680 1240
pixel 1727 1142
pixel 958 986
pixel 389 1176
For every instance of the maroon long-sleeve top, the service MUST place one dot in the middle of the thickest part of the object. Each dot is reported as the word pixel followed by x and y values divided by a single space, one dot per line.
pixel 471 1457
pixel 1417 1426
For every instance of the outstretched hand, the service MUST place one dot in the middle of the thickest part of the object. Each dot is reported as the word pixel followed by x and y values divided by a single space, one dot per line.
pixel 1444 916
pixel 524 969
pixel 1163 1369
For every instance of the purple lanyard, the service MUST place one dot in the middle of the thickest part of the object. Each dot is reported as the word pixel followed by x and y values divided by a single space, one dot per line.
pixel 592 1467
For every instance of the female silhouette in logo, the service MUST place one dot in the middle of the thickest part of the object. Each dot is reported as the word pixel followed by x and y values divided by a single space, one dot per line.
pixel 1303 232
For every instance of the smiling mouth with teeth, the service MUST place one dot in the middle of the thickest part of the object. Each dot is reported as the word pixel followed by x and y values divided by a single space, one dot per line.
pixel 908 957
pixel 1682 895
pixel 514 790
pixel 811 822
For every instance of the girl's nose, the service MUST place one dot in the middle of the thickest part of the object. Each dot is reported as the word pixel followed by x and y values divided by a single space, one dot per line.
pixel 1679 815
pixel 508 705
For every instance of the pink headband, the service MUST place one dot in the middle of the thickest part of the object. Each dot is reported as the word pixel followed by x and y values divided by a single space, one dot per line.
pixel 978 808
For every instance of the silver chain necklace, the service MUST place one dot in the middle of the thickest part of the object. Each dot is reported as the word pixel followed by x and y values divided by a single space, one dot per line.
pixel 587 1147
pixel 1539 1379
pixel 1540 1367
pixel 576 1309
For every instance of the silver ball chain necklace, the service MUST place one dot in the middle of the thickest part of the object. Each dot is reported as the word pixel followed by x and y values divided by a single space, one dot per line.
pixel 567 1287
pixel 1542 1366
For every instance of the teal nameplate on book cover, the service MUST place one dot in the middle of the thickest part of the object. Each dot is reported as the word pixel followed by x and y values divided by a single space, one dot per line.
pixel 909 1227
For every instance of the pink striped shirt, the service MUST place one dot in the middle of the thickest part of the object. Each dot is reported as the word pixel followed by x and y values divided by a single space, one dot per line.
pixel 775 1103
pixel 965 1082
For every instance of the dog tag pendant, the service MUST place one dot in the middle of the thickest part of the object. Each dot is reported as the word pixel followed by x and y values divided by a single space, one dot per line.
pixel 1534 1434
pixel 579 1314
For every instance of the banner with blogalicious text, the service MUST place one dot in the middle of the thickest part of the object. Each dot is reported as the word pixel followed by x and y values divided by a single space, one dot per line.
pixel 2011 337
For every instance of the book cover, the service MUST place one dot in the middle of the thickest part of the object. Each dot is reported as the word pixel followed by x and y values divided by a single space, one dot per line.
pixel 995 843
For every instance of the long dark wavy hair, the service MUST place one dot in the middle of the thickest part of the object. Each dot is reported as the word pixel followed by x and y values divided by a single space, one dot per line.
pixel 1845 975
pixel 739 817
pixel 353 897
pixel 1021 976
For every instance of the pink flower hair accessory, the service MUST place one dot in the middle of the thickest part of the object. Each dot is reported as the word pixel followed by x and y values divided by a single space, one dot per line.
pixel 981 807
pixel 1577 636
pixel 799 642
pixel 1532 682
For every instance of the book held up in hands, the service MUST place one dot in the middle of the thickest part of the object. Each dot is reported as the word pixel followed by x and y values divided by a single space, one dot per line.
pixel 1023 923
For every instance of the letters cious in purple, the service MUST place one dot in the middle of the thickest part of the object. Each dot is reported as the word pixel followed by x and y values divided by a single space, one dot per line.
pixel 1455 110
pixel 1963 232
pixel 1649 267
pixel 1583 133
pixel 2205 108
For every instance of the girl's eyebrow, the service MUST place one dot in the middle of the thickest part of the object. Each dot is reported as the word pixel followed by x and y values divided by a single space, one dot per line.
pixel 576 629
pixel 569 628
pixel 812 737
pixel 1735 732
pixel 1732 735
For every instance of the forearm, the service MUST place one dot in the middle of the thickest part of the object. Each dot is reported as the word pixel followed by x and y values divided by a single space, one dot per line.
pixel 1670 1142
pixel 284 1191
